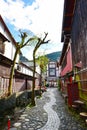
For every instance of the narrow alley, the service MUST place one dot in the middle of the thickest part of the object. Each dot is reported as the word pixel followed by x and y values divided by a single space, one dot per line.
pixel 50 113
pixel 43 60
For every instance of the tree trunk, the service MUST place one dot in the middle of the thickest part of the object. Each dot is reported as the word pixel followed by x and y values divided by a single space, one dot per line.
pixel 12 73
pixel 40 82
pixel 33 84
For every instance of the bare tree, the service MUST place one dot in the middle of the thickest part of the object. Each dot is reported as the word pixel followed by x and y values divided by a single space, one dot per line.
pixel 20 45
pixel 38 44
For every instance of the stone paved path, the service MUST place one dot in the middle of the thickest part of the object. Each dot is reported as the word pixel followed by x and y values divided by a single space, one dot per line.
pixel 50 113
pixel 53 119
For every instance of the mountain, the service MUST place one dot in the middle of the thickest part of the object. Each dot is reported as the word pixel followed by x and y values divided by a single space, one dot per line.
pixel 23 59
pixel 55 56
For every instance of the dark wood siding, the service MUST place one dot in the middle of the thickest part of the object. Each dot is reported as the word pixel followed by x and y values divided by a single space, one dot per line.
pixel 79 33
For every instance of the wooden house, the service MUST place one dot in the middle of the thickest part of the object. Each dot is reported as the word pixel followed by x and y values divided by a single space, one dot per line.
pixel 7 50
pixel 66 72
pixel 74 29
pixel 22 74
pixel 24 77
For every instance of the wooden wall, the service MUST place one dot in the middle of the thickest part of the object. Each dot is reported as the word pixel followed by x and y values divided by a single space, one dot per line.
pixel 79 33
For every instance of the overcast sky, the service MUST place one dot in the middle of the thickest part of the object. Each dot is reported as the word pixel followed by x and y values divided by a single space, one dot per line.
pixel 35 17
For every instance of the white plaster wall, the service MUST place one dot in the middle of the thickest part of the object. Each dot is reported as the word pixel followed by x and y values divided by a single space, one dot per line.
pixel 26 71
pixel 38 69
pixel 9 46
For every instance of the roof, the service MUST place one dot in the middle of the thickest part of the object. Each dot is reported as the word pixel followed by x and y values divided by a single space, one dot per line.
pixel 3 37
pixel 27 66
pixel 69 6
pixel 68 12
pixel 21 75
pixel 6 28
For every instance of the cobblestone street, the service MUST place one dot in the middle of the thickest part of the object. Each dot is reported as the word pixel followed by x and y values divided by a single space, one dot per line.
pixel 43 64
pixel 50 113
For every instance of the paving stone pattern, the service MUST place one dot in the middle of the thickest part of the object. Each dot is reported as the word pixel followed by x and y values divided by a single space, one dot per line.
pixel 53 119
pixel 67 120
pixel 50 113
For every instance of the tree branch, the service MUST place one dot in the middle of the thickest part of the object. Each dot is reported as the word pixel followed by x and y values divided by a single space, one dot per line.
pixel 45 36
pixel 31 39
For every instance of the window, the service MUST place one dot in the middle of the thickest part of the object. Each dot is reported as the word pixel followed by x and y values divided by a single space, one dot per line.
pixel 52 72
pixel 52 65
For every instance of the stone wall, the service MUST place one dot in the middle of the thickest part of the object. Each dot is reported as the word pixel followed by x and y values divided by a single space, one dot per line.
pixel 7 103
pixel 21 100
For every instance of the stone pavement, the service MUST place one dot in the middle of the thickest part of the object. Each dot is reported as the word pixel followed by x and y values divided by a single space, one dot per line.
pixel 53 119
pixel 50 113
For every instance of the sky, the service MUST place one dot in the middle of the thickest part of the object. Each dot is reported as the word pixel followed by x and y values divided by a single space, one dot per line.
pixel 35 17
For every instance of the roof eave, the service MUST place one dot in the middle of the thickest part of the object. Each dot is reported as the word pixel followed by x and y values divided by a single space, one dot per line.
pixel 69 6
pixel 3 37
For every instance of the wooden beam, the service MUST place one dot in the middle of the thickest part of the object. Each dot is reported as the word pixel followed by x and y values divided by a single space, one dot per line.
pixel 71 14
pixel 67 29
